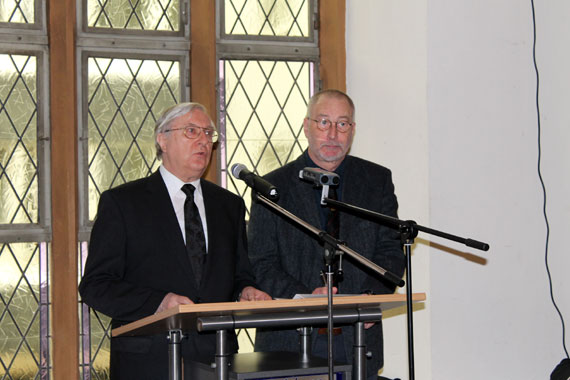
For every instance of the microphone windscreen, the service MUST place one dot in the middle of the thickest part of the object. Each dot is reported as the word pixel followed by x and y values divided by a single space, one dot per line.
pixel 237 169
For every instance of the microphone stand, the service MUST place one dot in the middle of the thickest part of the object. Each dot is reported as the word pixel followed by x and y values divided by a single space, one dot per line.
pixel 408 231
pixel 331 246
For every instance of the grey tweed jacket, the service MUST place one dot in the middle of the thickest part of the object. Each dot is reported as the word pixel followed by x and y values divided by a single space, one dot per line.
pixel 287 260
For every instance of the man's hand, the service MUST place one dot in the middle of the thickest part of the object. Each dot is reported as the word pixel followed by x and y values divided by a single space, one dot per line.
pixel 171 300
pixel 249 293
pixel 323 290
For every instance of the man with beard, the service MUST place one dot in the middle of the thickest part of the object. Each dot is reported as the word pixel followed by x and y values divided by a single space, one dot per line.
pixel 287 260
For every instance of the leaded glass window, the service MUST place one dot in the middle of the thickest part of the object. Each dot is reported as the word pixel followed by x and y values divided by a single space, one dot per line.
pixel 268 66
pixel 125 97
pixel 264 103
pixel 134 64
pixel 24 311
pixel 284 18
pixel 23 266
pixel 24 193
pixel 268 70
pixel 157 15
pixel 18 139
pixel 126 82
pixel 95 336
pixel 17 11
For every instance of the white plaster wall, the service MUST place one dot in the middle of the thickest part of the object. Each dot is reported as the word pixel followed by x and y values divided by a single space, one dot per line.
pixel 445 94
pixel 386 76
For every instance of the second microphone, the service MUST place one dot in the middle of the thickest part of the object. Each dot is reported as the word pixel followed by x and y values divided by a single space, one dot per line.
pixel 254 181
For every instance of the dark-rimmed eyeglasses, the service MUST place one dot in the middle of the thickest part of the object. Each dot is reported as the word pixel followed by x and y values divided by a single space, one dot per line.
pixel 193 132
pixel 341 125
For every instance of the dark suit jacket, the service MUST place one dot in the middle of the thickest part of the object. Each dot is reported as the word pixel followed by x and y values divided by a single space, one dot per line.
pixel 287 260
pixel 137 255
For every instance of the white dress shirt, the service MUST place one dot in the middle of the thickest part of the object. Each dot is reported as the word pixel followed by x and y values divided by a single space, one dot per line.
pixel 178 197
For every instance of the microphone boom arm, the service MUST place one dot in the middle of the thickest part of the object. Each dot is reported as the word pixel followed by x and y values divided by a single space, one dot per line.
pixel 408 226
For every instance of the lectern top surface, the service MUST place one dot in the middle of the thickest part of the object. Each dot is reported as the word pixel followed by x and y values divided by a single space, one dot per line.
pixel 184 317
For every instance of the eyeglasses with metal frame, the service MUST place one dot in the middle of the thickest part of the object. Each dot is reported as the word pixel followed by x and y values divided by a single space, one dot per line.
pixel 342 126
pixel 193 132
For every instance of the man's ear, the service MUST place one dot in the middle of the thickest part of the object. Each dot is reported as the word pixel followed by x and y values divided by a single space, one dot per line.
pixel 161 140
pixel 306 125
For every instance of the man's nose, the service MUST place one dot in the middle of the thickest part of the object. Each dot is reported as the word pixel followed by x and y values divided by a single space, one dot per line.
pixel 332 131
pixel 202 138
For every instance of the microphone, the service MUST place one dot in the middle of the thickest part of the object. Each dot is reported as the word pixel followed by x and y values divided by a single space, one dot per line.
pixel 254 181
pixel 319 176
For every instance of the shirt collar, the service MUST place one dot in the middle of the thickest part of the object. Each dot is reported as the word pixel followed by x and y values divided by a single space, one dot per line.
pixel 174 184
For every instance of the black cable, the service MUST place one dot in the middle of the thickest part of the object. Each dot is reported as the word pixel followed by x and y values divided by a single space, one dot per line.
pixel 542 182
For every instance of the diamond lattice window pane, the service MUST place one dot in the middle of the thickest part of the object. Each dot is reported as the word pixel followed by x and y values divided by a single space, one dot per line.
pixel 280 18
pixel 95 335
pixel 126 96
pixel 17 11
pixel 159 15
pixel 246 340
pixel 95 344
pixel 23 317
pixel 264 104
pixel 18 139
pixel 100 345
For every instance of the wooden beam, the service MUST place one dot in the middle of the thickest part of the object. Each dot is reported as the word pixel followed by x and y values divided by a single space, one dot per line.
pixel 332 44
pixel 203 65
pixel 64 248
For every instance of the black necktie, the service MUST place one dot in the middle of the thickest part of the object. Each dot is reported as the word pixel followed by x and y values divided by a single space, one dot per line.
pixel 195 241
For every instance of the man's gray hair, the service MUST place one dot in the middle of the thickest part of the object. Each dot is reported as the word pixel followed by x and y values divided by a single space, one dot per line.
pixel 331 93
pixel 172 113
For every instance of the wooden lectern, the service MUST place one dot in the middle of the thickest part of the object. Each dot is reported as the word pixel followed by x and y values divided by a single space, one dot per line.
pixel 301 313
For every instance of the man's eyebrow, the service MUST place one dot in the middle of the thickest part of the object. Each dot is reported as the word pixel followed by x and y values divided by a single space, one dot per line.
pixel 197 126
pixel 326 116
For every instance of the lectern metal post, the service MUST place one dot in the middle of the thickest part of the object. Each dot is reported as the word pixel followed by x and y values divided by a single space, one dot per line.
pixel 175 365
pixel 221 355
pixel 358 364
pixel 305 343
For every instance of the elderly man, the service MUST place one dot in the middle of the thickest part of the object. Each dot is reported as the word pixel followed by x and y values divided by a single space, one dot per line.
pixel 169 239
pixel 287 260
